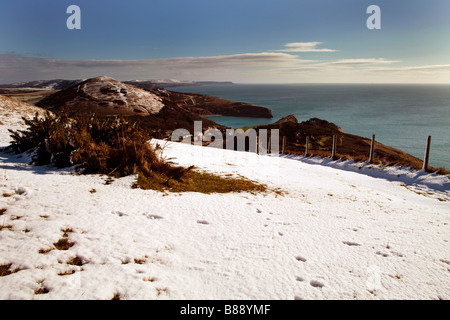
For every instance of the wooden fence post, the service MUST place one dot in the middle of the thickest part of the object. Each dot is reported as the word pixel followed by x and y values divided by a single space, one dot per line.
pixel 372 148
pixel 427 155
pixel 306 146
pixel 333 150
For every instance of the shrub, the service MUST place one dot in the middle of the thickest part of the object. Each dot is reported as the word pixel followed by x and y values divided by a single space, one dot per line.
pixel 112 146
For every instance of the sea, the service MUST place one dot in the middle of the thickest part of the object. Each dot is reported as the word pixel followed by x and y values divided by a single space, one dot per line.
pixel 400 115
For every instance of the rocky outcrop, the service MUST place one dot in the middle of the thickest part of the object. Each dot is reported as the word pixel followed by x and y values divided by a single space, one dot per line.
pixel 104 96
pixel 288 119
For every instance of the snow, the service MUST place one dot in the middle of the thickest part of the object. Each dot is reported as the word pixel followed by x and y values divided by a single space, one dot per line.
pixel 338 232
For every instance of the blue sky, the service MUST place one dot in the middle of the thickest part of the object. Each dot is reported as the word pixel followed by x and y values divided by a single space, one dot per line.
pixel 241 41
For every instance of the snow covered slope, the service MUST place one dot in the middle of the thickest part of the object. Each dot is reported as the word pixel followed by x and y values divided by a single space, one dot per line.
pixel 334 234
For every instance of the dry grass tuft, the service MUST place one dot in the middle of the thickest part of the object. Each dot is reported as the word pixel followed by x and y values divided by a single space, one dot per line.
pixel 45 251
pixel 203 182
pixel 150 279
pixel 41 289
pixel 66 232
pixel 116 296
pixel 5 270
pixel 161 291
pixel 66 273
pixel 75 261
pixel 139 261
pixel 63 244
pixel 9 227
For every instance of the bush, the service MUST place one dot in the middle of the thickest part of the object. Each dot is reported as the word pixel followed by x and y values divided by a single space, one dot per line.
pixel 112 146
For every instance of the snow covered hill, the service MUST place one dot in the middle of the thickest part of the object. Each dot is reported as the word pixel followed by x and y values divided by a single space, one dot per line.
pixel 338 232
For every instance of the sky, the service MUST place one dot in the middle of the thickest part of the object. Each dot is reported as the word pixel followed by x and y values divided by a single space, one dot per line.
pixel 244 41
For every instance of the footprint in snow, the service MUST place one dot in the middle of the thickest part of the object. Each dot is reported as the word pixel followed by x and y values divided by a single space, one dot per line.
pixel 120 214
pixel 202 222
pixel 258 210
pixel 349 243
pixel 300 259
pixel 316 284
pixel 397 254
pixel 385 255
pixel 299 279
pixel 153 216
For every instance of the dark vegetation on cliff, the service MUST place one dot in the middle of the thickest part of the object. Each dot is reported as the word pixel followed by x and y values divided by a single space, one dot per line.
pixel 348 146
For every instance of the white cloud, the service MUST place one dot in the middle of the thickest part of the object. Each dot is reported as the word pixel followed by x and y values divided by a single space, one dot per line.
pixel 15 67
pixel 268 67
pixel 424 68
pixel 359 62
pixel 304 47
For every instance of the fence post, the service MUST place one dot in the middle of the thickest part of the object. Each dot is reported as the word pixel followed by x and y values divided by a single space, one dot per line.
pixel 333 150
pixel 427 155
pixel 307 146
pixel 372 148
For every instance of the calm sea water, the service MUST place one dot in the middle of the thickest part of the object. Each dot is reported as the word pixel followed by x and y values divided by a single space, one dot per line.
pixel 401 116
